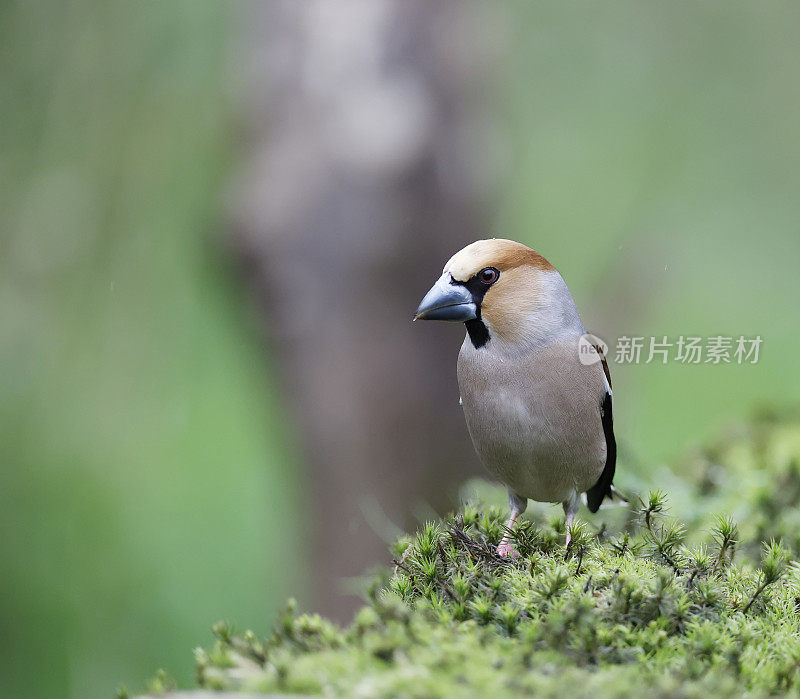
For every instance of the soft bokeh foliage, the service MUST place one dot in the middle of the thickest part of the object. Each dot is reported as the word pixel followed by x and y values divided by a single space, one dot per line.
pixel 145 458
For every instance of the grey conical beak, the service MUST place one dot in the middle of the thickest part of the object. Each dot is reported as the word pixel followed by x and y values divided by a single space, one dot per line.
pixel 447 301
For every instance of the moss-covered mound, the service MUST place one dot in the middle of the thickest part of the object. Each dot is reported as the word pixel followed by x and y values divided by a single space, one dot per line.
pixel 627 609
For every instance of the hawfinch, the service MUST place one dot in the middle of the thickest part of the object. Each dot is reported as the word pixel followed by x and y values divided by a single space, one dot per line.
pixel 538 413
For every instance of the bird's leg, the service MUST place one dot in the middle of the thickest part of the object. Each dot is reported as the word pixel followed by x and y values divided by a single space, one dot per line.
pixel 505 547
pixel 571 506
pixel 402 560
pixel 517 505
pixel 570 519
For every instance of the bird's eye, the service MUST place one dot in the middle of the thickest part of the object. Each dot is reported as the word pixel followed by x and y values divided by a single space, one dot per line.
pixel 488 275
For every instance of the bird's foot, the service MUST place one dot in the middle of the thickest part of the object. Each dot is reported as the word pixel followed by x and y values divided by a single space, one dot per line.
pixel 506 550
pixel 399 564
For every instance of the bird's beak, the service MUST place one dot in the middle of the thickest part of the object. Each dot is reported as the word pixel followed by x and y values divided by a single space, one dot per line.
pixel 447 301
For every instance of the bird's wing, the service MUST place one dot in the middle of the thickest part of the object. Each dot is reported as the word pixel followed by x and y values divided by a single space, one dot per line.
pixel 603 488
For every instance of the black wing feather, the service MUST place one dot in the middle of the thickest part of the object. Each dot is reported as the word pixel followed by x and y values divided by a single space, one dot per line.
pixel 602 489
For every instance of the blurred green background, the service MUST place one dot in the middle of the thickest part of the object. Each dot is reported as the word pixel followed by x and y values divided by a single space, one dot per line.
pixel 143 448
pixel 151 477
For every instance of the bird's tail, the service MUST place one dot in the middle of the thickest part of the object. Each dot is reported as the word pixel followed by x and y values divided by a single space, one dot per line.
pixel 613 499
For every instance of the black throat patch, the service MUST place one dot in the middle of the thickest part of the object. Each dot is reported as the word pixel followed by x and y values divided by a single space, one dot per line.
pixel 477 331
pixel 476 328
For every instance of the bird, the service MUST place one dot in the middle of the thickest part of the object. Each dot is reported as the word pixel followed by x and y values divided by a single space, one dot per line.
pixel 538 411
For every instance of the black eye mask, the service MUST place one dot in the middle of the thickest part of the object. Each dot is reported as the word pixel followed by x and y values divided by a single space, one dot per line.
pixel 476 328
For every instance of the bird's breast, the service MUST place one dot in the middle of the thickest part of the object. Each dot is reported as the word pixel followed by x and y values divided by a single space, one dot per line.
pixel 535 420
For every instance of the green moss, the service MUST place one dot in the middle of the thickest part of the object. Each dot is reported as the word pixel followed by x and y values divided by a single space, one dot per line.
pixel 622 611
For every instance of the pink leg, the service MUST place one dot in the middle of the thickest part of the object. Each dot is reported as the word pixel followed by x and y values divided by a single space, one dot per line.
pixel 505 548
pixel 402 559
pixel 571 506
pixel 570 519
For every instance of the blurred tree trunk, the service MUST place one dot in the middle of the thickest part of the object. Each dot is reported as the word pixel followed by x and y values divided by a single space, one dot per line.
pixel 363 178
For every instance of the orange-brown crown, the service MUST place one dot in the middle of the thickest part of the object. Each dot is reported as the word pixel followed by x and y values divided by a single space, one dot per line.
pixel 499 253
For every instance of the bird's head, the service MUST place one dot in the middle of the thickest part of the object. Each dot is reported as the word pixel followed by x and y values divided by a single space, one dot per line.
pixel 499 288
